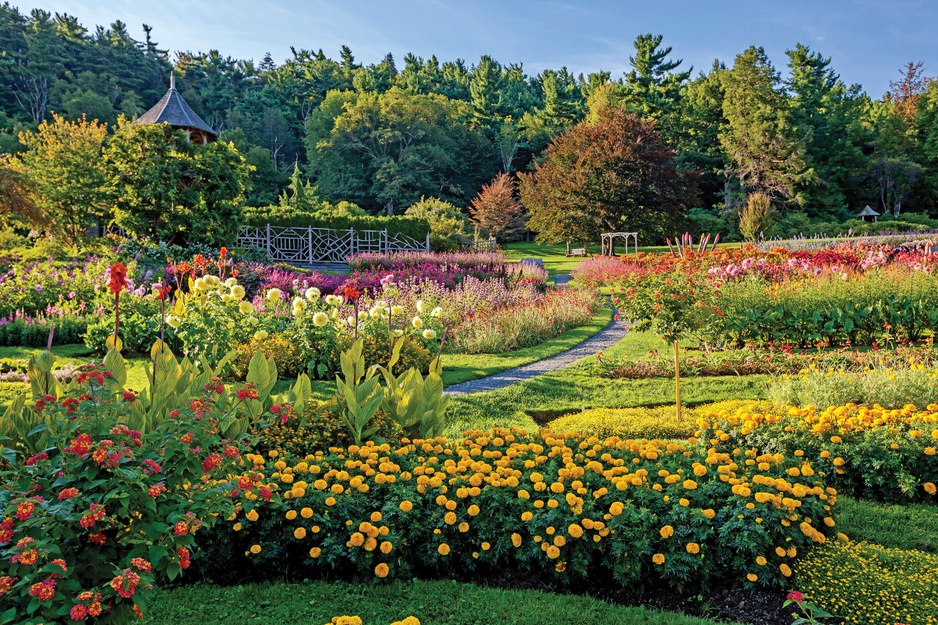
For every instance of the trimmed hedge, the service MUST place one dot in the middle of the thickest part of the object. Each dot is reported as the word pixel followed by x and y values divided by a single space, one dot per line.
pixel 278 216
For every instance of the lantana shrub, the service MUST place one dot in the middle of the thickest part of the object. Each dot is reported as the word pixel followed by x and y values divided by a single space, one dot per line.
pixel 94 512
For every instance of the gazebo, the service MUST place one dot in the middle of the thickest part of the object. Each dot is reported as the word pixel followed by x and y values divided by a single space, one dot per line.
pixel 867 213
pixel 173 110
pixel 609 241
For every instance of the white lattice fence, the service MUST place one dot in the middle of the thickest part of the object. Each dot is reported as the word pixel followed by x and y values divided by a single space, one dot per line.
pixel 303 246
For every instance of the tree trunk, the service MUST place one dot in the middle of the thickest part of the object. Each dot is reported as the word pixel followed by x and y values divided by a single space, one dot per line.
pixel 677 379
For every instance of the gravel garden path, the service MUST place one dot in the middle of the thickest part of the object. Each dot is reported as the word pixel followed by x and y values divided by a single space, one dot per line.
pixel 606 338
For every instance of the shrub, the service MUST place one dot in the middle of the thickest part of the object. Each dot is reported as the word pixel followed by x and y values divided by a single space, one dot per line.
pixel 865 583
pixel 603 271
pixel 376 350
pixel 887 455
pixel 625 423
pixel 645 422
pixel 885 386
pixel 286 353
pixel 566 506
pixel 93 510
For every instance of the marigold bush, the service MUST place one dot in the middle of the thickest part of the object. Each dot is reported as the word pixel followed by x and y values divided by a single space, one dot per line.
pixel 563 505
pixel 869 584
pixel 875 453
pixel 885 386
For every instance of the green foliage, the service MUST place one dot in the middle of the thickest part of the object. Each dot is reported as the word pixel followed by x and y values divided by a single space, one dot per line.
pixel 415 402
pixel 755 219
pixel 885 386
pixel 416 228
pixel 906 526
pixel 447 223
pixel 866 583
pixel 760 139
pixel 62 167
pixel 289 356
pixel 358 393
pixel 81 478
pixel 174 190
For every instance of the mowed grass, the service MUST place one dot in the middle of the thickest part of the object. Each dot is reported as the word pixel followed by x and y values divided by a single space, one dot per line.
pixel 907 526
pixel 79 354
pixel 464 367
pixel 578 387
pixel 432 602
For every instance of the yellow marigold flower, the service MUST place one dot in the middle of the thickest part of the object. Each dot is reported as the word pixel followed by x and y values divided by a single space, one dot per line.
pixel 559 540
pixel 780 551
pixel 693 548
pixel 838 462
pixel 575 530
pixel 930 488
pixel 406 506
pixel 357 539
pixel 315 552
pixel 443 549
pixel 761 561
pixel 836 439
pixel 486 546
pixel 690 485
pixel 375 517
pixel 386 547
pixel 553 552
pixel 516 539
pixel 320 485
pixel 473 510
pixel 616 508
pixel 306 513
pixel 929 451
pixel 556 487
pixel 291 514
pixel 463 527
pixel 658 558
pixel 667 531
pixel 785 569
pixel 338 489
pixel 382 570
pixel 709 513
pixel 236 527
pixel 251 516
pixel 370 544
pixel 684 502
pixel 527 515
pixel 752 577
pixel 330 501
pixel 829 522
pixel 299 533
pixel 255 549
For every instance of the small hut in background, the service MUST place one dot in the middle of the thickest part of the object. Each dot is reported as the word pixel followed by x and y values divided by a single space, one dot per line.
pixel 868 214
pixel 173 110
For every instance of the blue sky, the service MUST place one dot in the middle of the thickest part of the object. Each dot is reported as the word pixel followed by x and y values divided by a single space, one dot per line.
pixel 868 41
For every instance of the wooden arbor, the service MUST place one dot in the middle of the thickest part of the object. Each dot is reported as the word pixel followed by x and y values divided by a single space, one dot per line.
pixel 609 241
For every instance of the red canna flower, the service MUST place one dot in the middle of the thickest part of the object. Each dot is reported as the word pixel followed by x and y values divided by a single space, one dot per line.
pixel 118 279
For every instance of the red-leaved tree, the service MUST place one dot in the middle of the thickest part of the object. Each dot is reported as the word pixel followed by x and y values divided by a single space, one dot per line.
pixel 497 211
pixel 612 175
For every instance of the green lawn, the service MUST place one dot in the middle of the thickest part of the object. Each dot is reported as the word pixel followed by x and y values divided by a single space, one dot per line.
pixel 554 256
pixel 577 387
pixel 78 354
pixel 908 526
pixel 432 602
pixel 463 367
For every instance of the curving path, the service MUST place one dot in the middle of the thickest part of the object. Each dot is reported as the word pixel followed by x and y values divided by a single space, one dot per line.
pixel 606 338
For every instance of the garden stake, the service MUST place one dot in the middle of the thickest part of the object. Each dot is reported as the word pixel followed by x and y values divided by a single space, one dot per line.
pixel 677 379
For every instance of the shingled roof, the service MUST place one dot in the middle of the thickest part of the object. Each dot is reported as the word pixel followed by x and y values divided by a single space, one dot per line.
pixel 173 110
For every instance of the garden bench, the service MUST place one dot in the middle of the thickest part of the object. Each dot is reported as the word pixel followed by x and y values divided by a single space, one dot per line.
pixel 577 251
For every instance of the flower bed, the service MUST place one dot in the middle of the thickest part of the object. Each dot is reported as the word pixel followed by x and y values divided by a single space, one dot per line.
pixel 887 455
pixel 869 584
pixel 561 505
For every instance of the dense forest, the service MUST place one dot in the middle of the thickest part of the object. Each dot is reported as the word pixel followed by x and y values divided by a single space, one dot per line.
pixel 383 135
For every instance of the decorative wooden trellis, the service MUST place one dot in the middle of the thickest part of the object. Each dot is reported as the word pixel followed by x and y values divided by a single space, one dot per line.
pixel 609 238
pixel 306 246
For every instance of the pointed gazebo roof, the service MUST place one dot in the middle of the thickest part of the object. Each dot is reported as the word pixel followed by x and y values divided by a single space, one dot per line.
pixel 868 212
pixel 173 110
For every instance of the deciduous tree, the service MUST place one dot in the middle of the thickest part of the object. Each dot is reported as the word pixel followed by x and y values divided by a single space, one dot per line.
pixel 612 175
pixel 497 211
